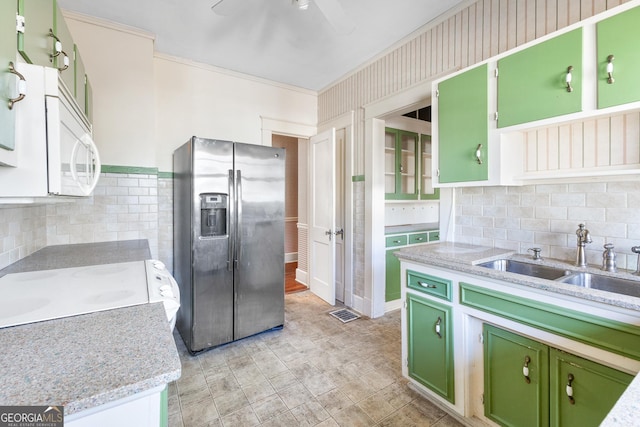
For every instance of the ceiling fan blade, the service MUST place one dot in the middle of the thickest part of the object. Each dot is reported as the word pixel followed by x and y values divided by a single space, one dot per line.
pixel 334 13
pixel 227 7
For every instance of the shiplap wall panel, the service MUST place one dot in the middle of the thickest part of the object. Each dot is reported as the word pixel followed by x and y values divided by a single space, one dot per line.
pixel 603 142
pixel 477 32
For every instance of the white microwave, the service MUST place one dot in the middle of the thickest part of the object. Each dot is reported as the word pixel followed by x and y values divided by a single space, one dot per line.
pixel 56 155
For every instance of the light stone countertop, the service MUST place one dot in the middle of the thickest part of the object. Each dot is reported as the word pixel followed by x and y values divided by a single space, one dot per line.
pixel 464 257
pixel 80 255
pixel 85 361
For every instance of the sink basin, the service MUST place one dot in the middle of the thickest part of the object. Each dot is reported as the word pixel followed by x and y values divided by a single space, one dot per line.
pixel 528 269
pixel 604 283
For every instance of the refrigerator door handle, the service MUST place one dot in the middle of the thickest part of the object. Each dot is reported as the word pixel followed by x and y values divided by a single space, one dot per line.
pixel 238 233
pixel 229 222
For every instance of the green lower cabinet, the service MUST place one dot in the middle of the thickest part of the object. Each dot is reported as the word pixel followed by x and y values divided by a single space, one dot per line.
pixel 595 389
pixel 562 390
pixel 430 345
pixel 392 277
pixel 512 398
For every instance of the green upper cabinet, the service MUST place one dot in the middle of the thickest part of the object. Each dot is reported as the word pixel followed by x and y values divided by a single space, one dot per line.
pixel 36 45
pixel 594 390
pixel 64 61
pixel 430 345
pixel 401 164
pixel 7 79
pixel 532 83
pixel 463 127
pixel 516 379
pixel 619 36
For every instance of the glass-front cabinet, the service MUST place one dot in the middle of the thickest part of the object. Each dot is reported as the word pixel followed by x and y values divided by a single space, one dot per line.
pixel 408 171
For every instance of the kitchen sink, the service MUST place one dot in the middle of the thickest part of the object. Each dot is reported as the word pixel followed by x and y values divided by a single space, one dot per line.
pixel 603 283
pixel 525 268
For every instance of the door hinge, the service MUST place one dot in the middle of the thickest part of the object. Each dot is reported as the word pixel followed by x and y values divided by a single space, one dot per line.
pixel 496 116
pixel 405 304
pixel 482 398
pixel 438 172
pixel 481 338
pixel 20 23
pixel 406 362
pixel 437 93
pixel 496 73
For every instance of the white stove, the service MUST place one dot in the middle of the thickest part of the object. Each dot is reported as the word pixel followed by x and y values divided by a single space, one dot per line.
pixel 51 294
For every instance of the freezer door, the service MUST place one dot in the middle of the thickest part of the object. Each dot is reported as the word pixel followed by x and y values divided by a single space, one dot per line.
pixel 259 246
pixel 212 298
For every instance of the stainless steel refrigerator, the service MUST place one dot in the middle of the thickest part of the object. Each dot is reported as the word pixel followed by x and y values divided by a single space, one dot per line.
pixel 228 241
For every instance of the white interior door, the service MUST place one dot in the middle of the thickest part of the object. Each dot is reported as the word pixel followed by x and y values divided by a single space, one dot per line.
pixel 339 214
pixel 322 216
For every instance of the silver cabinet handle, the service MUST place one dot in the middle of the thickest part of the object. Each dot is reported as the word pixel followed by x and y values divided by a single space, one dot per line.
pixel 479 154
pixel 427 285
pixel 525 369
pixel 57 50
pixel 610 78
pixel 568 78
pixel 569 389
pixel 437 327
pixel 22 86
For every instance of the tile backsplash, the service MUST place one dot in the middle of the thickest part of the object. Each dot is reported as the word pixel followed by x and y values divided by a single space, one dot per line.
pixel 124 206
pixel 547 216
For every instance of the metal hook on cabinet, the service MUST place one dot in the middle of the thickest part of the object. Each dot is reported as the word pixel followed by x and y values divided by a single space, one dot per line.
pixel 568 78
pixel 610 78
pixel 22 86
pixel 57 50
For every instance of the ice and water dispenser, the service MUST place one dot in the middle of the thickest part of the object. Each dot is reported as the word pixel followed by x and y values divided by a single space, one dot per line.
pixel 213 214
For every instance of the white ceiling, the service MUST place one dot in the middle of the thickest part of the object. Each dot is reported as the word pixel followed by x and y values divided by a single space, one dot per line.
pixel 271 39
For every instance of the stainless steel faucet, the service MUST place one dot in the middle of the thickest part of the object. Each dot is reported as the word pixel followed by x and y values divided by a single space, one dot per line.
pixel 536 253
pixel 583 238
pixel 636 250
pixel 609 258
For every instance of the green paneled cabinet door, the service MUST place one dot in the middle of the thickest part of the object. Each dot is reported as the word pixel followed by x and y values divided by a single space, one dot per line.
pixel 7 80
pixel 463 127
pixel 36 45
pixel 594 390
pixel 430 345
pixel 516 379
pixel 532 83
pixel 392 277
pixel 619 36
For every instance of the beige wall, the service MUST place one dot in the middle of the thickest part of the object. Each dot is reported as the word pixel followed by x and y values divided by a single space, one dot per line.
pixel 120 67
pixel 147 104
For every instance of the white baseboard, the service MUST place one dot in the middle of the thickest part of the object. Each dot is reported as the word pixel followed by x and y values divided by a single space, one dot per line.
pixel 290 257
pixel 302 276
pixel 392 305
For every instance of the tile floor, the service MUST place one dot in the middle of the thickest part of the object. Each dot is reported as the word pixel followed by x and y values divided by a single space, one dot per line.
pixel 316 371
